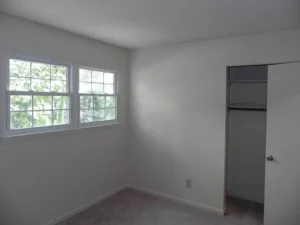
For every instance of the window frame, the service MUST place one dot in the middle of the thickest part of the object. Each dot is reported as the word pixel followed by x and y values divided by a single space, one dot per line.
pixel 8 93
pixel 72 92
pixel 105 122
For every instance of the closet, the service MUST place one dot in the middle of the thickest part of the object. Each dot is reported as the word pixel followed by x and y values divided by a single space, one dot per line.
pixel 263 144
pixel 246 141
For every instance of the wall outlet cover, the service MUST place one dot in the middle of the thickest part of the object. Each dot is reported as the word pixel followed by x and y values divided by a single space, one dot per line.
pixel 188 183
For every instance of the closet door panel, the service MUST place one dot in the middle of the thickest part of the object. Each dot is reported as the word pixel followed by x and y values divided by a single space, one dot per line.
pixel 282 179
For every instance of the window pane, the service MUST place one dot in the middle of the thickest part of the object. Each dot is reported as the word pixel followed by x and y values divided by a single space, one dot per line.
pixel 19 84
pixel 97 76
pixel 109 78
pixel 60 102
pixel 58 73
pixel 110 101
pixel 40 85
pixel 59 86
pixel 40 70
pixel 99 114
pixel 42 102
pixel 42 118
pixel 99 102
pixel 86 102
pixel 61 117
pixel 110 114
pixel 85 75
pixel 85 87
pixel 20 102
pixel 86 116
pixel 108 89
pixel 20 120
pixel 19 68
pixel 97 88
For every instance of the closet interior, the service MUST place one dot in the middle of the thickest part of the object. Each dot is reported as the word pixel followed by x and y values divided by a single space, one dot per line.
pixel 246 142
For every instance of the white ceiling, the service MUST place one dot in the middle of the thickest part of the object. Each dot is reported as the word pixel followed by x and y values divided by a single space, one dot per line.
pixel 143 23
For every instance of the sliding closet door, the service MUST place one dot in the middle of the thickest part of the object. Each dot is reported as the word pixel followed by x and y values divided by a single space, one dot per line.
pixel 282 184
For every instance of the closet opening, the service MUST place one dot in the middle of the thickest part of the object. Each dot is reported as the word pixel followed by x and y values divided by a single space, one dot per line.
pixel 246 143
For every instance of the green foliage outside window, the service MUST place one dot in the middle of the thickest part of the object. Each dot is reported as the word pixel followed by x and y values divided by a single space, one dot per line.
pixel 38 111
pixel 97 108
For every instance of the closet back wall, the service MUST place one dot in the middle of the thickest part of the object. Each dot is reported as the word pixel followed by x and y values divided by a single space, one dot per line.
pixel 44 177
pixel 246 155
pixel 247 133
pixel 178 110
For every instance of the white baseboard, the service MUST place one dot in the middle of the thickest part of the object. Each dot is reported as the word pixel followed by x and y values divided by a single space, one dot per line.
pixel 178 200
pixel 84 207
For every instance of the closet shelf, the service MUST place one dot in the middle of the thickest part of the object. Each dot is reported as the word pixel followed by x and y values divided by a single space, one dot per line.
pixel 247 81
pixel 247 107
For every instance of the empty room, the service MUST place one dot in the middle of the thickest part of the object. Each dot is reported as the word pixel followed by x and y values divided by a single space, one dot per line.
pixel 149 112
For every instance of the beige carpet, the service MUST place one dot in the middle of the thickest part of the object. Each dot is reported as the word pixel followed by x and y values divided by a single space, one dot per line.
pixel 133 208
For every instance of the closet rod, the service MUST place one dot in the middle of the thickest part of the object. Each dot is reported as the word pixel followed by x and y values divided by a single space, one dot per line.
pixel 247 81
pixel 247 109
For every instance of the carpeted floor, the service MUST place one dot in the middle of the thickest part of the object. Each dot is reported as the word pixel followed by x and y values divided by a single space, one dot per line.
pixel 244 210
pixel 134 208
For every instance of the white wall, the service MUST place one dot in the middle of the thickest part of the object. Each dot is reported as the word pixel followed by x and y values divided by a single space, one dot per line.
pixel 45 176
pixel 178 110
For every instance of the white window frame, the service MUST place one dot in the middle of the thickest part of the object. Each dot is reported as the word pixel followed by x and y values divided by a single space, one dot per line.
pixel 73 94
pixel 8 93
pixel 99 123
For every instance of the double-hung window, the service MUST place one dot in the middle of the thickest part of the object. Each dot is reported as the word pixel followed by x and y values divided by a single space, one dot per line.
pixel 97 94
pixel 38 95
pixel 44 96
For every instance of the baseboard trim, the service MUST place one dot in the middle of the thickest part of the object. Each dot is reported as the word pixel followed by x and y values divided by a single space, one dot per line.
pixel 83 207
pixel 178 200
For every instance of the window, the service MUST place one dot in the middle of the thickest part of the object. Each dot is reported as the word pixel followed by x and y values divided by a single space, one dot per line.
pixel 45 96
pixel 38 95
pixel 97 96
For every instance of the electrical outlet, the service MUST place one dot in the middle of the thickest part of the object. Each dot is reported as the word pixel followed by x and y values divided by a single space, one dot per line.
pixel 188 183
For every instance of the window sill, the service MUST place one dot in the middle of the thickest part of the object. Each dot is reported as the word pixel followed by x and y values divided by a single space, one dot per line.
pixel 57 133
